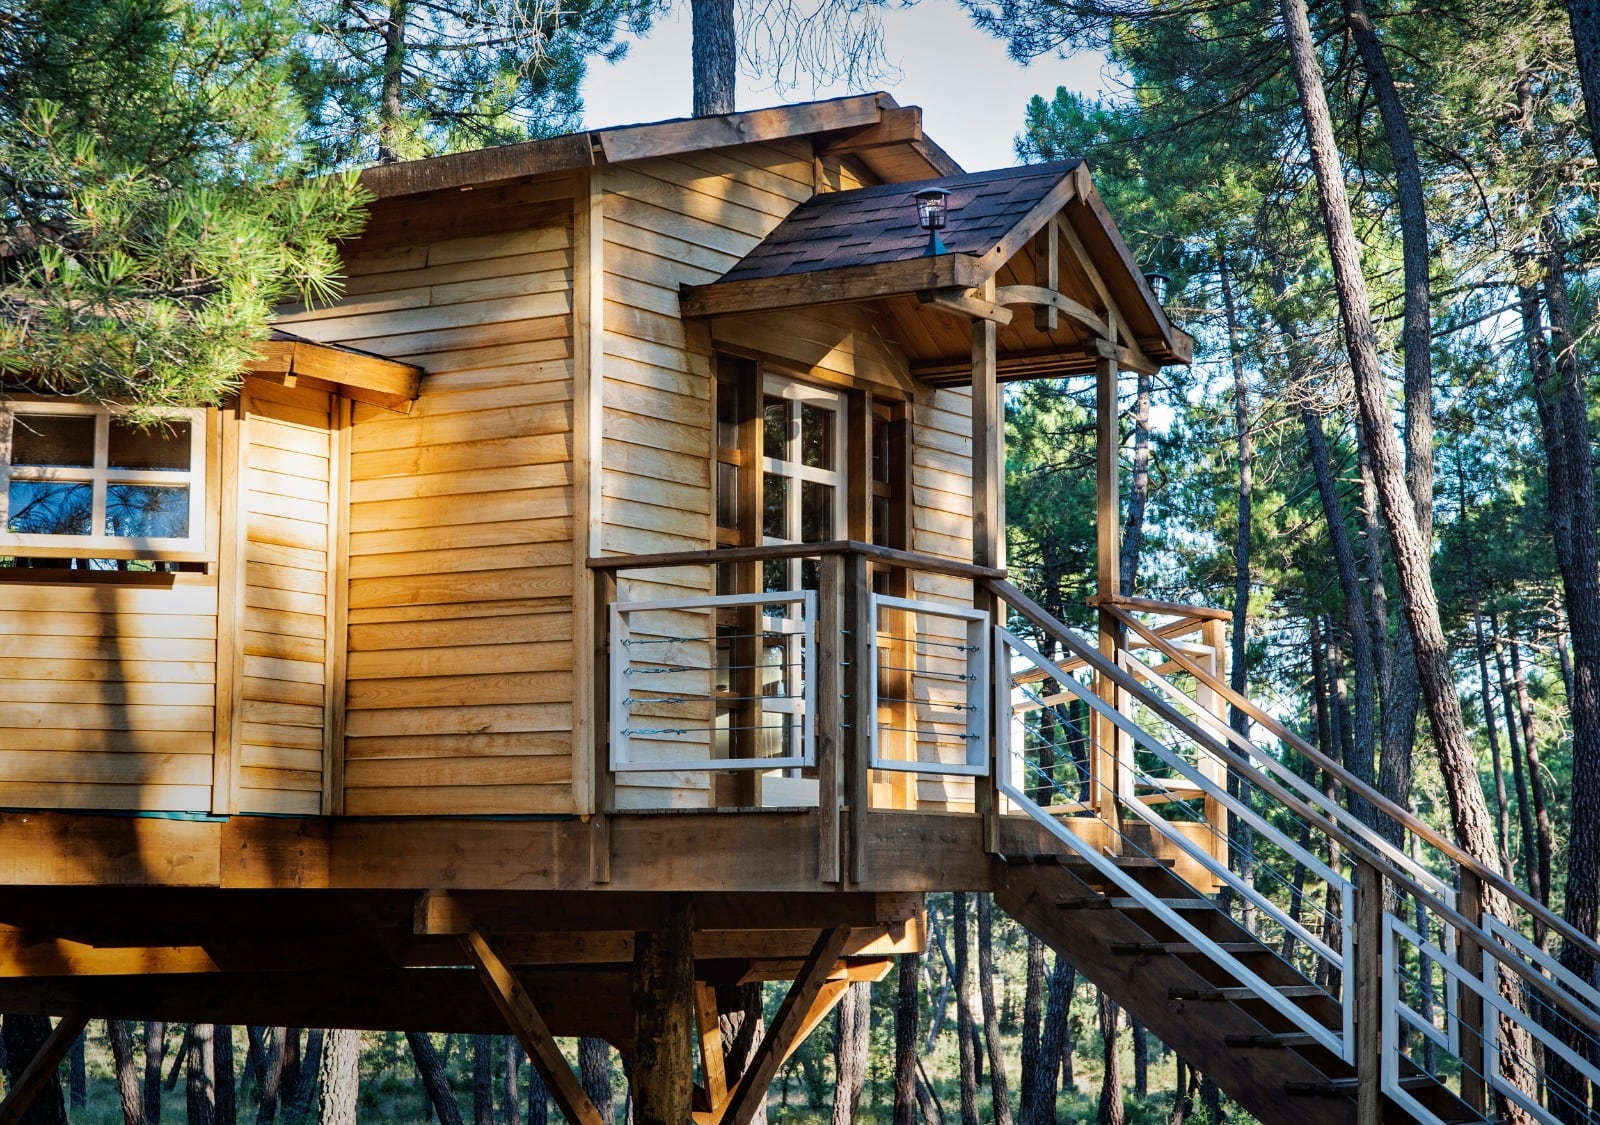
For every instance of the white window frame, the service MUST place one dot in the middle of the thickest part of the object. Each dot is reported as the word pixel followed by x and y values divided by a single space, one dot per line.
pixel 792 466
pixel 100 476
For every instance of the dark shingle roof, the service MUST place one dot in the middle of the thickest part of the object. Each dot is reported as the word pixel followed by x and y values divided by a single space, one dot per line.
pixel 865 226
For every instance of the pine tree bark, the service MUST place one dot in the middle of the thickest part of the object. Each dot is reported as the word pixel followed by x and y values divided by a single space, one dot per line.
pixel 968 1057
pixel 434 1080
pixel 538 1099
pixel 1110 1111
pixel 127 1074
pixel 594 1071
pixel 223 1067
pixel 1056 1044
pixel 510 1098
pixel 1584 16
pixel 78 1072
pixel 1032 1062
pixel 716 56
pixel 155 1049
pixel 202 1085
pixel 906 1016
pixel 999 1088
pixel 482 1080
pixel 23 1037
pixel 1245 442
pixel 338 1077
pixel 1502 818
pixel 391 111
pixel 1529 849
pixel 1141 1058
pixel 1544 833
pixel 852 1023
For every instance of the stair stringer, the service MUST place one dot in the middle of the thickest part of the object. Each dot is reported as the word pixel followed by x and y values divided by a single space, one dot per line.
pixel 1257 1079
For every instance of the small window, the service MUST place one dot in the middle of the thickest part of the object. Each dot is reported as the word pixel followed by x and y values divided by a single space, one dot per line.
pixel 83 482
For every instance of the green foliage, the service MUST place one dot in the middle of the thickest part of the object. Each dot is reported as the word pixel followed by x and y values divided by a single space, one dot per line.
pixel 154 206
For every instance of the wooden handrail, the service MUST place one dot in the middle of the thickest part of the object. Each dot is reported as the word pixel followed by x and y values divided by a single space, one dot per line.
pixel 1413 824
pixel 1264 781
pixel 1152 605
pixel 914 560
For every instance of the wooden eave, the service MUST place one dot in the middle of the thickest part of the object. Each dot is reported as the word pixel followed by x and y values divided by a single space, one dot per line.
pixel 925 303
pixel 356 374
pixel 883 135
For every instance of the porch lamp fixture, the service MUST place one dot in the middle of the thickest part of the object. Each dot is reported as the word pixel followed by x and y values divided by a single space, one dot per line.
pixel 1159 283
pixel 932 209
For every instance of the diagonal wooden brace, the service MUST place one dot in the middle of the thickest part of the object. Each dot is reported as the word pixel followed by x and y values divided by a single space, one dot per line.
pixel 41 1069
pixel 529 1027
pixel 809 999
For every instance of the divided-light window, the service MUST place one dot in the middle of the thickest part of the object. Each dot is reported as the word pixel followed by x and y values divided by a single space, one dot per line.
pixel 81 481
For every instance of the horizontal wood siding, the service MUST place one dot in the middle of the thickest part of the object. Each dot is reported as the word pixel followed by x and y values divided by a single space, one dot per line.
pixel 459 678
pixel 287 496
pixel 669 222
pixel 107 693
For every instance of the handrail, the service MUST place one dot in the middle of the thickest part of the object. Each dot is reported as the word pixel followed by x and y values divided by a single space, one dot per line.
pixel 1412 823
pixel 1152 605
pixel 1444 910
pixel 912 559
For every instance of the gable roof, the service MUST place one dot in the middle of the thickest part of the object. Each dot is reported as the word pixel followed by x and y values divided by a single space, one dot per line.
pixel 873 225
pixel 872 126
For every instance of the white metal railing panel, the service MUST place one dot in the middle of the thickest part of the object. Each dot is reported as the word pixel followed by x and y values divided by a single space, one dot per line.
pixel 929 702
pixel 676 667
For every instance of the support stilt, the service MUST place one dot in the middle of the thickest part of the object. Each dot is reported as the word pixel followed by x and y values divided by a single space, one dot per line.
pixel 663 1013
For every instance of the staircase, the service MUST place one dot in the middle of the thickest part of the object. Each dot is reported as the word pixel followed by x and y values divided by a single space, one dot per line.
pixel 1313 970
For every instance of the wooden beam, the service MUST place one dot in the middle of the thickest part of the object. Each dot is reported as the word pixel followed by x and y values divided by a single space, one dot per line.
pixel 358 375
pixel 1051 300
pixel 708 1028
pixel 479 167
pixel 833 286
pixel 663 1017
pixel 1047 275
pixel 692 134
pixel 792 1020
pixel 895 126
pixel 1042 212
pixel 25 955
pixel 965 303
pixel 988 449
pixel 529 1027
pixel 41 1069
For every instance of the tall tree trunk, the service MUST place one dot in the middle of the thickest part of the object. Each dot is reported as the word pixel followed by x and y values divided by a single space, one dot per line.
pixel 1585 18
pixel 1358 754
pixel 538 1099
pixel 298 1102
pixel 1544 833
pixel 906 1017
pixel 155 1050
pixel 1529 835
pixel 390 108
pixel 127 1074
pixel 202 1084
pixel 510 1097
pixel 1032 1068
pixel 966 1054
pixel 1502 818
pixel 852 1023
pixel 743 1027
pixel 78 1072
pixel 482 1080
pixel 716 56
pixel 338 1077
pixel 23 1036
pixel 1139 490
pixel 1055 1044
pixel 1141 1058
pixel 293 1062
pixel 1469 813
pixel 1110 1111
pixel 434 1080
pixel 999 1088
pixel 222 1066
pixel 594 1069
pixel 1245 441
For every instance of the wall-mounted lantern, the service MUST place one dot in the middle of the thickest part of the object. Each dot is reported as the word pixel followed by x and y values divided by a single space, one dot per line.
pixel 932 209
pixel 1159 283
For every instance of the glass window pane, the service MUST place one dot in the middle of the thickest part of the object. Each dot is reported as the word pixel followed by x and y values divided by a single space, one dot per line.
pixel 161 448
pixel 65 440
pixel 816 436
pixel 880 449
pixel 727 495
pixel 775 429
pixel 143 511
pixel 727 413
pixel 816 512
pixel 810 574
pixel 774 576
pixel 775 507
pixel 880 521
pixel 50 508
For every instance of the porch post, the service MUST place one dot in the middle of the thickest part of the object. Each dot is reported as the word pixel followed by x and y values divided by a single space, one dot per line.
pixel 1112 751
pixel 988 519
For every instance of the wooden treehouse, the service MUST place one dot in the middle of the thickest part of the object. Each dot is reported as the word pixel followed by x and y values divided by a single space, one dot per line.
pixel 604 605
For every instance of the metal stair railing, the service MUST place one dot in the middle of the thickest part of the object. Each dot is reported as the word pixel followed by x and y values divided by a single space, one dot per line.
pixel 1467 986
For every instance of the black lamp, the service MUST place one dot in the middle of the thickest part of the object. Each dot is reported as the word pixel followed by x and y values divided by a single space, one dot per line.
pixel 931 211
pixel 1159 283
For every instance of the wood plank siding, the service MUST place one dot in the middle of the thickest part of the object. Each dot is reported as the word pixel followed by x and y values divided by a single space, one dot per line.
pixel 460 575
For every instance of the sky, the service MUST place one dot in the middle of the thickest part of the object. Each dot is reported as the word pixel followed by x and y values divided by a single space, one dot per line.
pixel 971 93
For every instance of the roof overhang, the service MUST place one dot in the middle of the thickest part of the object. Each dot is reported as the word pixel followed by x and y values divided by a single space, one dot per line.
pixel 887 137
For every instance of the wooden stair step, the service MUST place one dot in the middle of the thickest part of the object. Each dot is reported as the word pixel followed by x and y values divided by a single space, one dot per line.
pixel 1270 1041
pixel 1346 1087
pixel 1183 948
pixel 1290 991
pixel 1200 904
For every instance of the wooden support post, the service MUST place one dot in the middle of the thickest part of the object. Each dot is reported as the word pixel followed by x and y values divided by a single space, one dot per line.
pixel 1471 1008
pixel 663 1011
pixel 605 593
pixel 231 550
pixel 1367 984
pixel 41 1069
pixel 708 1028
pixel 529 1027
pixel 830 687
pixel 857 714
pixel 1047 273
pixel 1112 756
pixel 988 518
pixel 793 1019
